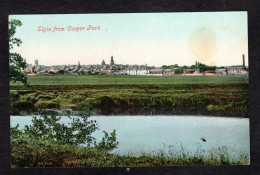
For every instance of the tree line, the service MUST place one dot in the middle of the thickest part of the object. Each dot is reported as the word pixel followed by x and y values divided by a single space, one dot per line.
pixel 202 67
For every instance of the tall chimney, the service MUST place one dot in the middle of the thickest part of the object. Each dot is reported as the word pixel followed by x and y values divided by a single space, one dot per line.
pixel 243 57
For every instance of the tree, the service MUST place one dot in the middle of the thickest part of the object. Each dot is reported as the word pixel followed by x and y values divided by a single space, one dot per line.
pixel 16 62
pixel 77 131
pixel 61 72
pixel 81 73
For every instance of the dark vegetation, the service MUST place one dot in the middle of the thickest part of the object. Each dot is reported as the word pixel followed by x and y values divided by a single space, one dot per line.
pixel 16 62
pixel 226 96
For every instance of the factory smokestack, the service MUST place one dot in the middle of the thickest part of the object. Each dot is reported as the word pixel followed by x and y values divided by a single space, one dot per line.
pixel 243 57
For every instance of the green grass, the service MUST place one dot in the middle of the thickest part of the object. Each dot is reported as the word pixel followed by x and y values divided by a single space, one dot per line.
pixel 35 153
pixel 124 79
pixel 191 95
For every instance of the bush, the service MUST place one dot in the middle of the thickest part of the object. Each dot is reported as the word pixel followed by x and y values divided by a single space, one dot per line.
pixel 77 98
pixel 47 142
pixel 103 102
pixel 47 105
pixel 14 96
pixel 31 98
pixel 23 105
pixel 46 96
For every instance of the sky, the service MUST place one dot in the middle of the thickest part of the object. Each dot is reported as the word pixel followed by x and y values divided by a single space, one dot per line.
pixel 155 39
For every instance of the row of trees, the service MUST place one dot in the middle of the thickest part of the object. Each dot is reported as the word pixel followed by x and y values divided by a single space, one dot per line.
pixel 202 67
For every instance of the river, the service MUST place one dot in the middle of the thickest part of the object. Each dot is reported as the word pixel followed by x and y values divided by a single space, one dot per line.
pixel 139 134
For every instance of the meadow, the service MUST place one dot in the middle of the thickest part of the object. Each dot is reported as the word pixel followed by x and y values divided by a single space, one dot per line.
pixel 126 79
pixel 108 94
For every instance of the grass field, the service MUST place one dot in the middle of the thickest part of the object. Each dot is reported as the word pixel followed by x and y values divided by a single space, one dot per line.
pixel 124 79
pixel 223 95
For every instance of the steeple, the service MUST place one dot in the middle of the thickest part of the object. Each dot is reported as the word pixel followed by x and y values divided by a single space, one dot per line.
pixel 112 61
pixel 103 62
pixel 79 67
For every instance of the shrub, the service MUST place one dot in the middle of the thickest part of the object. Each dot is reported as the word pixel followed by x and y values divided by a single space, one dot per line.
pixel 47 142
pixel 14 96
pixel 77 98
pixel 103 102
pixel 46 96
pixel 47 105
pixel 23 105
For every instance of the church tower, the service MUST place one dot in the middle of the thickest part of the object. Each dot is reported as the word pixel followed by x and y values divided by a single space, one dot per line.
pixel 112 61
pixel 104 64
pixel 36 63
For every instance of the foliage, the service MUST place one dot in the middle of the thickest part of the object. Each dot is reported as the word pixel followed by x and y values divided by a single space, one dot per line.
pixel 41 104
pixel 77 131
pixel 14 96
pixel 169 67
pixel 228 95
pixel 108 142
pixel 81 73
pixel 179 71
pixel 28 152
pixel 61 72
pixel 202 67
pixel 23 105
pixel 49 128
pixel 17 63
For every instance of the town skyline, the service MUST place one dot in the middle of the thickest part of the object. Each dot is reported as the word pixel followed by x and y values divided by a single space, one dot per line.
pixel 213 38
pixel 108 60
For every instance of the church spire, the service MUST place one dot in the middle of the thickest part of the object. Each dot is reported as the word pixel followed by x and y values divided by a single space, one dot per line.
pixel 79 67
pixel 112 61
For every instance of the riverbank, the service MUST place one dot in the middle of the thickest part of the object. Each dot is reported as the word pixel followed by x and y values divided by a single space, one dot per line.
pixel 223 99
pixel 35 153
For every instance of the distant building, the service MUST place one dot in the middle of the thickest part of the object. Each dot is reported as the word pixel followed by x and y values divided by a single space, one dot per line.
pixel 156 71
pixel 36 63
pixel 237 69
pixel 191 71
pixel 112 61
pixel 210 72
pixel 141 71
pixel 29 68
pixel 169 72
pixel 123 72
pixel 221 71
pixel 112 64
pixel 38 68
pixel 79 66
pixel 104 66
pixel 43 72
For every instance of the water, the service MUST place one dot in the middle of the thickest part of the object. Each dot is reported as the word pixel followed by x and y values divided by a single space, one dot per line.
pixel 138 134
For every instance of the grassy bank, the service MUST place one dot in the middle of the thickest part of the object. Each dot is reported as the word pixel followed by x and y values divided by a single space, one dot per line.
pixel 35 153
pixel 226 96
